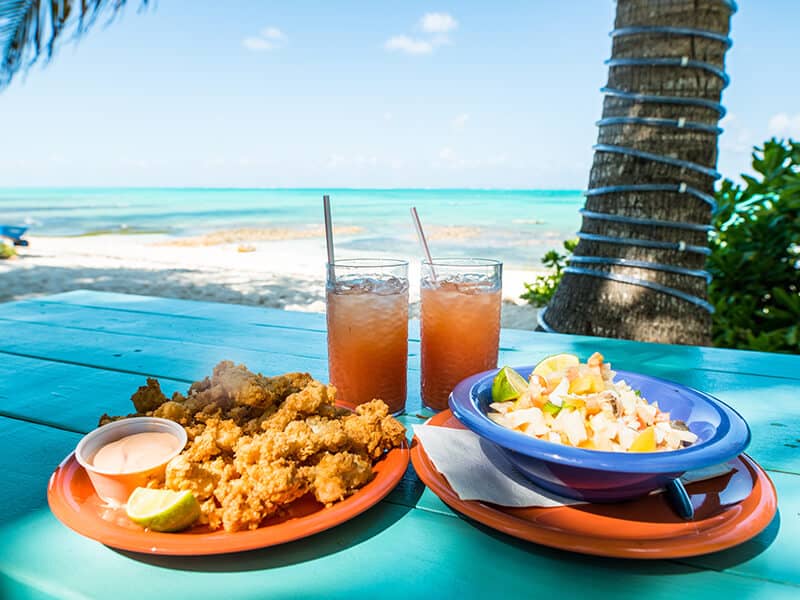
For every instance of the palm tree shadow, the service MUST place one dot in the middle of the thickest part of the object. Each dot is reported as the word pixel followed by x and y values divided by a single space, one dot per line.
pixel 263 289
pixel 718 561
pixel 362 528
pixel 630 566
pixel 742 553
pixel 358 530
pixel 627 566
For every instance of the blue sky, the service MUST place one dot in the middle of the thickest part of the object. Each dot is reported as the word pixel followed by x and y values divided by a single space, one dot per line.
pixel 357 94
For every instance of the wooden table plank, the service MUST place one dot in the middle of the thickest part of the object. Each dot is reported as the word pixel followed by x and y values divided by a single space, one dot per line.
pixel 369 556
pixel 73 396
pixel 56 394
pixel 266 335
pixel 268 332
pixel 743 361
pixel 67 396
pixel 58 357
pixel 228 313
pixel 34 451
pixel 75 320
pixel 773 553
pixel 195 308
pixel 768 404
pixel 770 445
pixel 786 366
pixel 30 453
pixel 12 588
pixel 186 360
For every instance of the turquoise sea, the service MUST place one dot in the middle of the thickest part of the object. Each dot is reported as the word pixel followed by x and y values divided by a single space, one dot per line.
pixel 517 226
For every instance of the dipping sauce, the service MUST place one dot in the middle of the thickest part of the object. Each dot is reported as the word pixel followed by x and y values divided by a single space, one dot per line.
pixel 137 452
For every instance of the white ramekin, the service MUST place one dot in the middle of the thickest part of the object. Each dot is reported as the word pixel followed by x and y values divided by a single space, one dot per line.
pixel 112 487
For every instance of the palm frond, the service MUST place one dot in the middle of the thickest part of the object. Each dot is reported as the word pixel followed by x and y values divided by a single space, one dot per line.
pixel 29 29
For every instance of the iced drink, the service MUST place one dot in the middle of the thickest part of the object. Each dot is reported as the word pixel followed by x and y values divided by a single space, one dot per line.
pixel 460 324
pixel 367 311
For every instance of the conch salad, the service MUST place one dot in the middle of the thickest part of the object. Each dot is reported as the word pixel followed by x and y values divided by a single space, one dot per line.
pixel 566 402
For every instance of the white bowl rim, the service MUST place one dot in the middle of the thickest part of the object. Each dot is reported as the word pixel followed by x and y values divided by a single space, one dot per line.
pixel 173 427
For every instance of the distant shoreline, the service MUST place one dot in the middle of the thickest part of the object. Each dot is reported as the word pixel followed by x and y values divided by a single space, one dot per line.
pixel 286 273
pixel 321 190
pixel 516 226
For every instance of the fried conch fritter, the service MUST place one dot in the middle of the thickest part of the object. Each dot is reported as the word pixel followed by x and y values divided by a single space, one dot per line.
pixel 258 443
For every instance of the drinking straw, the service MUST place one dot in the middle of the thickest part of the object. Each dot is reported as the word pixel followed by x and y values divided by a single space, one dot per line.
pixel 326 206
pixel 422 241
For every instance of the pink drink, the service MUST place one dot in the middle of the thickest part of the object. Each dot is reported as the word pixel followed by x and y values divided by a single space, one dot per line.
pixel 460 325
pixel 367 315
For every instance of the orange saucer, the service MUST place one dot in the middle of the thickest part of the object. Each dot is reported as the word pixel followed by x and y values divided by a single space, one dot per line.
pixel 729 510
pixel 74 502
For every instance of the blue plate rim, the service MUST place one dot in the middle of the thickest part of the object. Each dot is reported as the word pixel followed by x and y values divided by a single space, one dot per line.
pixel 724 445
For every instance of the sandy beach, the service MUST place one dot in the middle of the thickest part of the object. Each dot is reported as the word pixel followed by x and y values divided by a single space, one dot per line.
pixel 276 268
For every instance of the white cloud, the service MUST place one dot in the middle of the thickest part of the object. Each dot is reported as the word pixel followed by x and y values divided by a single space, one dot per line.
pixel 256 43
pixel 403 43
pixel 448 159
pixel 437 23
pixel 740 141
pixel 334 160
pixel 784 125
pixel 359 161
pixel 736 137
pixel 435 26
pixel 459 121
pixel 273 33
pixel 135 163
pixel 59 159
pixel 215 162
pixel 269 38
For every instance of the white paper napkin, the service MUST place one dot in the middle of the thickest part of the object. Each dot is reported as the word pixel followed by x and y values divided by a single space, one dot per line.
pixel 477 470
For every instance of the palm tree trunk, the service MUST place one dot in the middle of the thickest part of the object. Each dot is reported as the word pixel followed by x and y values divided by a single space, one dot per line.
pixel 637 272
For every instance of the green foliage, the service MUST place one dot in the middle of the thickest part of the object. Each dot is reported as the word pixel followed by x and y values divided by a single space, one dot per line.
pixel 755 254
pixel 35 26
pixel 543 287
pixel 7 250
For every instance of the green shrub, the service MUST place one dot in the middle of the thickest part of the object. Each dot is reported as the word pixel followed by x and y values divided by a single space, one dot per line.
pixel 543 287
pixel 755 254
pixel 7 250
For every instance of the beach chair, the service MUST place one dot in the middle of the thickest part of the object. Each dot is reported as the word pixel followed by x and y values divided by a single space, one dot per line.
pixel 14 234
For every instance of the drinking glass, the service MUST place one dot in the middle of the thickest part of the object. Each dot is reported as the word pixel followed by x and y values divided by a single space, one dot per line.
pixel 367 313
pixel 460 323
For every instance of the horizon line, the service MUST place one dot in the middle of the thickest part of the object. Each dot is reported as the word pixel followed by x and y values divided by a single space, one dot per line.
pixel 284 188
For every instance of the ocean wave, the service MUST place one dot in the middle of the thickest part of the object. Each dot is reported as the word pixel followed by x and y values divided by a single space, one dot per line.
pixel 529 221
pixel 254 234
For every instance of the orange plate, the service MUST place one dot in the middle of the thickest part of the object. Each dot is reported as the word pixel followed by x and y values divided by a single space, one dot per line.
pixel 729 510
pixel 73 501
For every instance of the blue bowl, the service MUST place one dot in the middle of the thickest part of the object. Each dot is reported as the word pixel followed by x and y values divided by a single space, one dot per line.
pixel 597 476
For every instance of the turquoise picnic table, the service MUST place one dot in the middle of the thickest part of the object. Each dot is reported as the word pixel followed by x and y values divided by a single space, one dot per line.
pixel 67 358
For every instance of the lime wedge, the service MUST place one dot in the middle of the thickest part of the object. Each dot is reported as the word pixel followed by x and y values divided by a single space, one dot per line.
pixel 550 408
pixel 508 385
pixel 556 364
pixel 162 510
